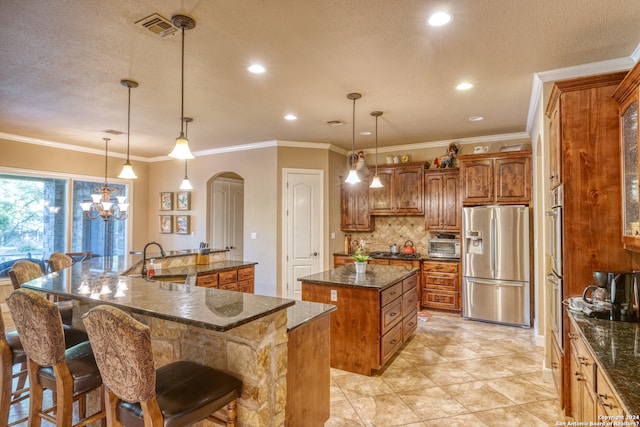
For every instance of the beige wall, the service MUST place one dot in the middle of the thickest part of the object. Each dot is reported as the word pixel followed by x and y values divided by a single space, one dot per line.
pixel 38 158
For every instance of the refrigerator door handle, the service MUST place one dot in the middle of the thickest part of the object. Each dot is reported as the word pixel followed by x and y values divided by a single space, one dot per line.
pixel 493 240
pixel 495 282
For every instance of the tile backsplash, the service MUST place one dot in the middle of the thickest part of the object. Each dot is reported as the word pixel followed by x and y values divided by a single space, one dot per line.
pixel 395 229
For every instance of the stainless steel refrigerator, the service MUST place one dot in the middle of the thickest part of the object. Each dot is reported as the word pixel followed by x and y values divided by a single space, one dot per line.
pixel 495 264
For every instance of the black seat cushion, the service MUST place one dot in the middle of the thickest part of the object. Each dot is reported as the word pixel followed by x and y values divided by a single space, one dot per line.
pixel 187 392
pixel 72 336
pixel 83 368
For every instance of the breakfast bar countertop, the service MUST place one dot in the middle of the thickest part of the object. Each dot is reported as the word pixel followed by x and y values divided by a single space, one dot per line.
pixel 98 281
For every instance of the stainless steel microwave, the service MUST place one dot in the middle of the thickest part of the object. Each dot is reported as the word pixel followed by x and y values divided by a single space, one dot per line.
pixel 444 248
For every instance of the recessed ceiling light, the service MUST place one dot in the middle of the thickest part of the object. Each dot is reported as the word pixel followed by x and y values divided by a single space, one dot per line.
pixel 256 69
pixel 464 86
pixel 475 118
pixel 439 19
pixel 366 132
pixel 291 117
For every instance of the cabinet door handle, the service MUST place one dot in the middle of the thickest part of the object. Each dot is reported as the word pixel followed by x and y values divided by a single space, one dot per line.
pixel 394 314
pixel 392 342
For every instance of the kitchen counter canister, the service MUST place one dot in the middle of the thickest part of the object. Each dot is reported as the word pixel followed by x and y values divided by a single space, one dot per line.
pixel 616 347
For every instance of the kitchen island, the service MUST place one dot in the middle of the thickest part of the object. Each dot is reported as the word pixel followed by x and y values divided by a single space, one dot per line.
pixel 376 313
pixel 243 334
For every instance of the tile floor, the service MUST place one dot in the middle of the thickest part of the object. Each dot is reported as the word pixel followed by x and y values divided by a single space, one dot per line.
pixel 453 372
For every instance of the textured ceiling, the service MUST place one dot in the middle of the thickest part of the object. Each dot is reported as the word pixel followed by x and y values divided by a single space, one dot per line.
pixel 62 61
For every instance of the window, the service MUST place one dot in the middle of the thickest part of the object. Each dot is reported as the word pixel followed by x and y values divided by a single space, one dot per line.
pixel 37 213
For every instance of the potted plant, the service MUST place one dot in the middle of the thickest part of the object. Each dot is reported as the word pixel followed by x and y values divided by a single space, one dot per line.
pixel 361 261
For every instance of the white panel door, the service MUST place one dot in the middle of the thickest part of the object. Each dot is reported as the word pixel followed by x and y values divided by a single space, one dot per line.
pixel 304 218
pixel 227 216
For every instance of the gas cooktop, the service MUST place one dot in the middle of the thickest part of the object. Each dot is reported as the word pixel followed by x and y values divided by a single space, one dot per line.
pixel 392 255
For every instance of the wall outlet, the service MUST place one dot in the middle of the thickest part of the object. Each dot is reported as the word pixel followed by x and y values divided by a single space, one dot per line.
pixel 334 295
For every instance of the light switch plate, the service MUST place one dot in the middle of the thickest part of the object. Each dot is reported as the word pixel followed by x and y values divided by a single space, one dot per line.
pixel 254 236
pixel 334 295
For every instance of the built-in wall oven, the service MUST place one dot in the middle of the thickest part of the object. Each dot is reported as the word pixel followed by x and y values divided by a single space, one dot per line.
pixel 554 271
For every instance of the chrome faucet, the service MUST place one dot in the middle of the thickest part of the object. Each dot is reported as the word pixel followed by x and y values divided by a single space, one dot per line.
pixel 144 257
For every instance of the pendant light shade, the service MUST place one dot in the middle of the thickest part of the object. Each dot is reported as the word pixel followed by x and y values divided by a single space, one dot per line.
pixel 181 149
pixel 375 182
pixel 186 184
pixel 127 169
pixel 353 177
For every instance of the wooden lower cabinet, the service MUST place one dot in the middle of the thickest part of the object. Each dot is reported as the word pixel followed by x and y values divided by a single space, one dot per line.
pixel 369 325
pixel 557 367
pixel 591 395
pixel 340 260
pixel 441 285
pixel 240 280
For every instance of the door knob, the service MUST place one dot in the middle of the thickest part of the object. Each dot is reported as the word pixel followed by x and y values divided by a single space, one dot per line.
pixel 315 254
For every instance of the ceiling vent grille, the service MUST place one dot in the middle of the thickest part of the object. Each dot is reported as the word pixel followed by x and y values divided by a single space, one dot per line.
pixel 158 24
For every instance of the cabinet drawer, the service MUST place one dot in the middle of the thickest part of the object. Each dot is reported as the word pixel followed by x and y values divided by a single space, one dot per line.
pixel 409 283
pixel 245 274
pixel 391 314
pixel 585 361
pixel 440 299
pixel 379 261
pixel 207 280
pixel 409 301
pixel 607 400
pixel 441 267
pixel 245 286
pixel 390 294
pixel 229 286
pixel 342 260
pixel 225 277
pixel 405 264
pixel 441 280
pixel 390 343
pixel 409 324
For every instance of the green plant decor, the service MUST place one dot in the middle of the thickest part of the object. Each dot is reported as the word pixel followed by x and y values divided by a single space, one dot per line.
pixel 360 256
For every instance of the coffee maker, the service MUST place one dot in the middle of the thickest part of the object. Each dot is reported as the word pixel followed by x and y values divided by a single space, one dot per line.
pixel 615 297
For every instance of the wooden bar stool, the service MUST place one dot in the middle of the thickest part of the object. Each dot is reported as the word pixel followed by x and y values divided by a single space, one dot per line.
pixel 70 373
pixel 178 394
pixel 24 271
pixel 12 354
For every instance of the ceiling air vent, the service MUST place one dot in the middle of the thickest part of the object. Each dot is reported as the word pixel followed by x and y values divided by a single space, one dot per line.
pixel 158 24
pixel 335 122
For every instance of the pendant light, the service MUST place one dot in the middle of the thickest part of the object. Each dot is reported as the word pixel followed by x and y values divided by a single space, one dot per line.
pixel 127 169
pixel 181 149
pixel 375 182
pixel 353 177
pixel 186 184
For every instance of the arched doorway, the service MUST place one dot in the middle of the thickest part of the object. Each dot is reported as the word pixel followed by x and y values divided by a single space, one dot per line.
pixel 226 214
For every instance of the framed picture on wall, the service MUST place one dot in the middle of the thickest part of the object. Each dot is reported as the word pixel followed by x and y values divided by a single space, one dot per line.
pixel 182 224
pixel 166 201
pixel 166 224
pixel 183 201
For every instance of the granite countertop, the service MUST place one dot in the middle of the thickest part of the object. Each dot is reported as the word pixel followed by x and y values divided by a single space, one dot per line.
pixel 305 311
pixel 401 258
pixel 377 276
pixel 98 281
pixel 616 346
pixel 212 267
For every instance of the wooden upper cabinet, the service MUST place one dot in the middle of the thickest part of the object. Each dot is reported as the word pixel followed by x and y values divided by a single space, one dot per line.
pixel 496 178
pixel 442 200
pixel 555 147
pixel 402 192
pixel 381 199
pixel 354 206
pixel 627 95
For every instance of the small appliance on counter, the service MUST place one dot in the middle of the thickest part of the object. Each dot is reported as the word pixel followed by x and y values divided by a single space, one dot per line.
pixel 444 247
pixel 614 296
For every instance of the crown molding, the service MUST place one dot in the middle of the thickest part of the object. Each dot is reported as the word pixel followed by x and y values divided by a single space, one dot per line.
pixel 602 67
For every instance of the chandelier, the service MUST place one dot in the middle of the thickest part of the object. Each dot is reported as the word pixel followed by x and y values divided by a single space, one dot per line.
pixel 101 205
